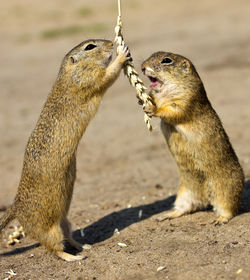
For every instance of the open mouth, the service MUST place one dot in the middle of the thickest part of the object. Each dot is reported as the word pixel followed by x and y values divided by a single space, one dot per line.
pixel 155 83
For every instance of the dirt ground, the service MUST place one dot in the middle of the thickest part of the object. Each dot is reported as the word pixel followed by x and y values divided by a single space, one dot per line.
pixel 123 170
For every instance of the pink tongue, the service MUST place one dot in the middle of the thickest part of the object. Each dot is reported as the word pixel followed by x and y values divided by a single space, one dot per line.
pixel 154 84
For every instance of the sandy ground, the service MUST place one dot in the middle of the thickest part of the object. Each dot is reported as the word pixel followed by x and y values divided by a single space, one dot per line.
pixel 122 168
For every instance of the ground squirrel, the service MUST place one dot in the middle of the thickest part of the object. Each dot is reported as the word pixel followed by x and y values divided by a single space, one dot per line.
pixel 209 169
pixel 49 169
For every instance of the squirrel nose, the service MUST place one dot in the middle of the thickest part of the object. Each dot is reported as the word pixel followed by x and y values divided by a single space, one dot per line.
pixel 143 69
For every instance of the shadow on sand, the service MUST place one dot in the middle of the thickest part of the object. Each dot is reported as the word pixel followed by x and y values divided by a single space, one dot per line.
pixel 105 227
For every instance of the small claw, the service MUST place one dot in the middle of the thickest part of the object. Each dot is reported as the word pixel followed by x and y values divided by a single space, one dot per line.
pixel 150 114
pixel 221 220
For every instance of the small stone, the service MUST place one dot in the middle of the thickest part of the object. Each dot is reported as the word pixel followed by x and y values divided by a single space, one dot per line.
pixel 87 247
pixel 140 214
pixel 160 268
pixel 121 244
pixel 239 271
pixel 82 232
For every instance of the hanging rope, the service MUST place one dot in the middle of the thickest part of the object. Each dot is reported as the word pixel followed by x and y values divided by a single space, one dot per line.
pixel 130 71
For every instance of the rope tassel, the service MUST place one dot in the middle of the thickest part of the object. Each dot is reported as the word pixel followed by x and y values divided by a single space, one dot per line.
pixel 130 71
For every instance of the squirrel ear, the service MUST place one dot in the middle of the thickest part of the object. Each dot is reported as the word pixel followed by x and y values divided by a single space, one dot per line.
pixel 73 59
pixel 186 66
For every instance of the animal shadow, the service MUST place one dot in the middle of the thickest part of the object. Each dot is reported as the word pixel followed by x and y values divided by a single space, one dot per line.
pixel 20 250
pixel 105 227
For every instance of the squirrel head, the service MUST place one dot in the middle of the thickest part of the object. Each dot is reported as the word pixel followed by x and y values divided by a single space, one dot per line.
pixel 171 74
pixel 87 62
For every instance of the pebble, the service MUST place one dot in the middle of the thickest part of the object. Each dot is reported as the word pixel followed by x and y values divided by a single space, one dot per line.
pixel 160 268
pixel 121 244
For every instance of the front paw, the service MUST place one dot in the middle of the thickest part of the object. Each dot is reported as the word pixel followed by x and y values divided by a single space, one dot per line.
pixel 150 109
pixel 124 53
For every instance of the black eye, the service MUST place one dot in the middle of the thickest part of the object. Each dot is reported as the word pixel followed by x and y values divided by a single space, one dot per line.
pixel 166 60
pixel 90 47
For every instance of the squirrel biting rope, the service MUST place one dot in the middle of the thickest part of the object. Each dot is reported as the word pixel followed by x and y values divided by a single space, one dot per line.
pixel 130 71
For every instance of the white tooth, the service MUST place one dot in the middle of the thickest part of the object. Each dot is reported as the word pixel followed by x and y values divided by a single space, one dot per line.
pixel 149 69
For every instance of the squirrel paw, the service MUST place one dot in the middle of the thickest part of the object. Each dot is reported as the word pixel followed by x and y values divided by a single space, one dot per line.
pixel 169 215
pixel 221 221
pixel 70 258
pixel 149 109
pixel 124 52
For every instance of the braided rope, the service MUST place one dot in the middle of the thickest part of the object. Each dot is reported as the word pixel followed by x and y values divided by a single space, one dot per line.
pixel 130 71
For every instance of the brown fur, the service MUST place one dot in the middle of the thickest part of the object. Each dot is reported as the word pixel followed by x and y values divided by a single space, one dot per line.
pixel 208 166
pixel 49 169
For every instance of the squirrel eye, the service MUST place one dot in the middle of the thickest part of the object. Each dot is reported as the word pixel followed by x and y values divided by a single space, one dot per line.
pixel 166 60
pixel 90 47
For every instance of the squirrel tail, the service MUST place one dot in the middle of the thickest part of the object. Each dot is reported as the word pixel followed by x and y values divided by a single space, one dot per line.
pixel 7 217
